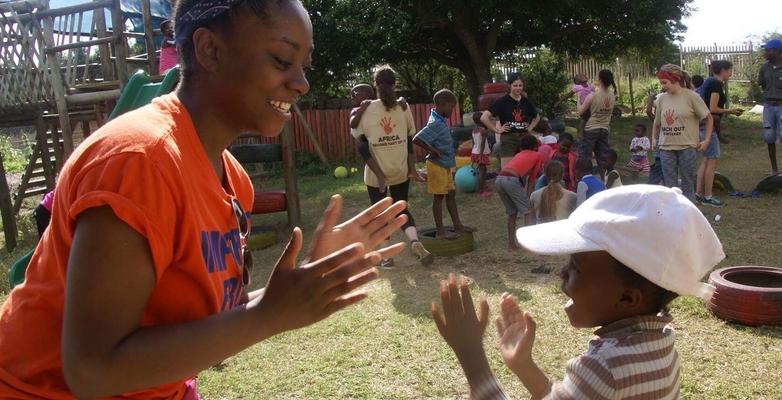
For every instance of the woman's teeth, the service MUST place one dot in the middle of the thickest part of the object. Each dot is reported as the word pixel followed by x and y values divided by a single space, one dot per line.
pixel 281 106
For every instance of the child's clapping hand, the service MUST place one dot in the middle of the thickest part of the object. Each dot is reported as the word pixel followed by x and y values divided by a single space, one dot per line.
pixel 458 323
pixel 516 331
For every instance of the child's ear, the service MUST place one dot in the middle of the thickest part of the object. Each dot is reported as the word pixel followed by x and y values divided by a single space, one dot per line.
pixel 631 298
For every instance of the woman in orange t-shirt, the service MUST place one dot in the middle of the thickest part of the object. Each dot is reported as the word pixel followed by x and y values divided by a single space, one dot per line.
pixel 139 282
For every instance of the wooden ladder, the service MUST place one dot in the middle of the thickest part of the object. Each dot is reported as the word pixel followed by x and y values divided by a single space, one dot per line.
pixel 45 160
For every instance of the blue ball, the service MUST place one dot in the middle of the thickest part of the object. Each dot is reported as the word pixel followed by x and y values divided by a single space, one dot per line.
pixel 466 179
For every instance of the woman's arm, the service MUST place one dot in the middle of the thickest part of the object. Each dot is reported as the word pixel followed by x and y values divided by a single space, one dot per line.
pixel 534 123
pixel 111 277
pixel 707 138
pixel 486 119
pixel 714 107
pixel 586 104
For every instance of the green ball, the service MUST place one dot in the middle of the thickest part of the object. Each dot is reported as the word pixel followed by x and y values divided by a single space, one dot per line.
pixel 341 172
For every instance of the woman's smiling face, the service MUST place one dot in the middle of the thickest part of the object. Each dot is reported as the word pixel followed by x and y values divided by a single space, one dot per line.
pixel 263 72
pixel 517 88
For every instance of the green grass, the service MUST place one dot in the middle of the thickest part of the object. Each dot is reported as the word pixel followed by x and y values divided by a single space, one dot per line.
pixel 388 347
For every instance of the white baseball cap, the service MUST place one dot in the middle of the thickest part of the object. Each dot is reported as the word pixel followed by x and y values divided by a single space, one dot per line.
pixel 653 230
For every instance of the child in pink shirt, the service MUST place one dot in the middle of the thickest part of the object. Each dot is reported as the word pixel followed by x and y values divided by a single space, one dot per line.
pixel 168 56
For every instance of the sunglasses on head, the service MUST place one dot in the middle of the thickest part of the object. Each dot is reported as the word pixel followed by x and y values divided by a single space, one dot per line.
pixel 244 233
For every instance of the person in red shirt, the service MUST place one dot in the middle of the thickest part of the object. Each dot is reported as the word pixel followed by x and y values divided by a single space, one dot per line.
pixel 567 157
pixel 516 181
pixel 141 280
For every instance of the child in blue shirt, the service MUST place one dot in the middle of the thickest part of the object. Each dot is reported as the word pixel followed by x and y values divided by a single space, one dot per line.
pixel 436 139
pixel 588 183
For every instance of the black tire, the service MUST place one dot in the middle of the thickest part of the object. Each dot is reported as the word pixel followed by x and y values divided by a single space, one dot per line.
pixel 461 133
pixel 442 247
pixel 770 184
pixel 721 182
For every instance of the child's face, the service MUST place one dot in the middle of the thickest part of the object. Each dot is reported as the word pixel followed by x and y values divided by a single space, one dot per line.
pixel 360 95
pixel 446 109
pixel 606 161
pixel 168 30
pixel 594 288
pixel 640 132
pixel 564 146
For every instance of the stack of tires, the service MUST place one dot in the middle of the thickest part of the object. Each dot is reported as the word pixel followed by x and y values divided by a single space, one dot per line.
pixel 491 93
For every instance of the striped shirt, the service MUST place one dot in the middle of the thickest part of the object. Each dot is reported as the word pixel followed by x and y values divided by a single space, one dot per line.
pixel 629 359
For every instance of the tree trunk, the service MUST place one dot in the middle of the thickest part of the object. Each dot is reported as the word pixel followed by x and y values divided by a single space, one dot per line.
pixel 475 76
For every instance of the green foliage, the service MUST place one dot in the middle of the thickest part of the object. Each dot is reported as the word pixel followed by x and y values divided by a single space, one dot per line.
pixel 422 79
pixel 545 79
pixel 307 164
pixel 15 157
pixel 352 35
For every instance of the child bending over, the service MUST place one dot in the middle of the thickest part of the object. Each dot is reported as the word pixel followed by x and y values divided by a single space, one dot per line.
pixel 436 139
pixel 515 182
pixel 617 280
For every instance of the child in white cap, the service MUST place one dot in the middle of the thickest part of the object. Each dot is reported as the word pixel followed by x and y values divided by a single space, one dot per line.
pixel 621 276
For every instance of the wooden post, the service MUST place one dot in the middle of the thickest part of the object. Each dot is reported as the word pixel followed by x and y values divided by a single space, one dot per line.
pixel 6 210
pixel 289 175
pixel 120 44
pixel 312 136
pixel 58 87
pixel 105 53
pixel 632 97
pixel 149 35
pixel 46 159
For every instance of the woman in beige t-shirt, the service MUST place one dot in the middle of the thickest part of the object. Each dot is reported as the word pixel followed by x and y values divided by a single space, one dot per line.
pixel 389 131
pixel 600 106
pixel 679 110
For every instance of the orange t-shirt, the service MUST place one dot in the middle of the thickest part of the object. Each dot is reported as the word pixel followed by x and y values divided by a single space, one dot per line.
pixel 150 167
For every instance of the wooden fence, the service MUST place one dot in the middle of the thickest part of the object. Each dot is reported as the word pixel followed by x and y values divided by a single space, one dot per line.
pixel 696 60
pixel 332 131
